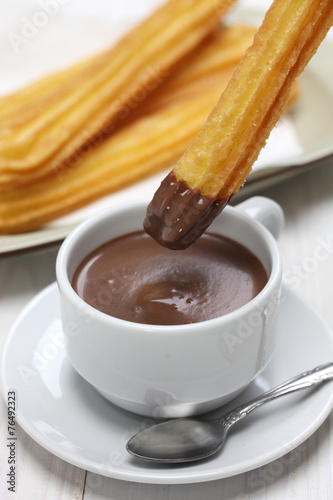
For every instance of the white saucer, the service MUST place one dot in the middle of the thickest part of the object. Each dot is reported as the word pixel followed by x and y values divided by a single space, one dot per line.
pixel 65 415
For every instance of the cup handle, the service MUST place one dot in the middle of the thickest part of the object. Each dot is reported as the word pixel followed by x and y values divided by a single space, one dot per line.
pixel 266 211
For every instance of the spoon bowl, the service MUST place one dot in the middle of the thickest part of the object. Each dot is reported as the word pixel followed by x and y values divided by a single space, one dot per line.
pixel 179 440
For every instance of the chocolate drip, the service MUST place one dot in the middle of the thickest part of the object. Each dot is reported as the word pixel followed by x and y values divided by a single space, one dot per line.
pixel 177 215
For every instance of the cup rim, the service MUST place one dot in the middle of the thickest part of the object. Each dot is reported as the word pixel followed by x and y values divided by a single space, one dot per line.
pixel 65 288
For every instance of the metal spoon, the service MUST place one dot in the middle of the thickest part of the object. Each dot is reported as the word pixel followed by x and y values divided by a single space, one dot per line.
pixel 189 439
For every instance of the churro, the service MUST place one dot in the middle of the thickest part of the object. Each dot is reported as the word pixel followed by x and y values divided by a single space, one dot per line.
pixel 164 125
pixel 221 156
pixel 87 111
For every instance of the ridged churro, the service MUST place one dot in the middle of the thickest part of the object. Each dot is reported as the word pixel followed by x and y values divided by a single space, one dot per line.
pixel 221 156
pixel 154 138
pixel 52 131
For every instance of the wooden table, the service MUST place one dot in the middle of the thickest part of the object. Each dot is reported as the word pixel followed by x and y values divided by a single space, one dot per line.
pixel 305 473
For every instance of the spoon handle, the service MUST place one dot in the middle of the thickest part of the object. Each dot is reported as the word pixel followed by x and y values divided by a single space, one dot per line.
pixel 306 379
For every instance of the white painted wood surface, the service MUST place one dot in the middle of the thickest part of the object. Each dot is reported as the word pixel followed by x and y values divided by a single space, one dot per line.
pixel 305 473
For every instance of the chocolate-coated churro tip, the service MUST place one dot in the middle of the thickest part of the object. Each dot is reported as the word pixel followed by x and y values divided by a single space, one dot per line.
pixel 177 215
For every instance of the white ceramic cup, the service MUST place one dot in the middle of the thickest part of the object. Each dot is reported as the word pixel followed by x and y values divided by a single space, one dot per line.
pixel 172 371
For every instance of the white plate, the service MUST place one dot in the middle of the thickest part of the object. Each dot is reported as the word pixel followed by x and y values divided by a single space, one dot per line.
pixel 302 139
pixel 65 415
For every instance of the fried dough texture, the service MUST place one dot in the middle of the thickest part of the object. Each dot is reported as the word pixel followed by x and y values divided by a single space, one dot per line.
pixel 221 156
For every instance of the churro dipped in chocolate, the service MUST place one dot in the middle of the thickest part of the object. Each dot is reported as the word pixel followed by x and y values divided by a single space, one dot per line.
pixel 39 133
pixel 221 156
pixel 153 137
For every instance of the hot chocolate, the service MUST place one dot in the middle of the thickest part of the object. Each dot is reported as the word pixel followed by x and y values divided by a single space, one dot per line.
pixel 133 278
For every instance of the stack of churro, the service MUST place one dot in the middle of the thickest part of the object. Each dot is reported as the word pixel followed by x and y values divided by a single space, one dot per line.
pixel 153 137
pixel 62 118
pixel 117 117
pixel 221 156
pixel 50 128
